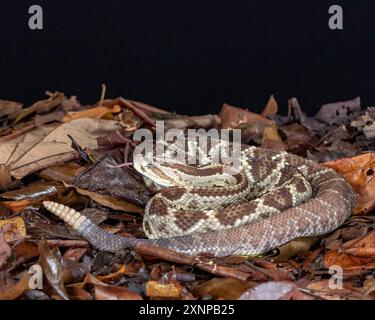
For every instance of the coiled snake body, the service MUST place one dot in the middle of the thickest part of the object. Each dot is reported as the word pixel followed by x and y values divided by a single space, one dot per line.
pixel 274 198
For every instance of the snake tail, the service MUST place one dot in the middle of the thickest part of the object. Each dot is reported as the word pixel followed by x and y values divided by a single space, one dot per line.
pixel 99 238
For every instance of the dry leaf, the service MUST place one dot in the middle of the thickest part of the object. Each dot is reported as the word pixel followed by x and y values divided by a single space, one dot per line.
pixel 50 145
pixel 97 112
pixel 269 291
pixel 271 108
pixel 225 288
pixel 15 229
pixel 294 248
pixel 356 253
pixel 115 293
pixel 359 172
pixel 272 139
pixel 339 112
pixel 60 173
pixel 42 106
pixel 108 201
pixel 233 117
pixel 14 291
pixel 156 289
pixel 52 269
pixel 9 107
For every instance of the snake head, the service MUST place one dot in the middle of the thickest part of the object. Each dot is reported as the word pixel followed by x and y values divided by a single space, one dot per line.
pixel 156 172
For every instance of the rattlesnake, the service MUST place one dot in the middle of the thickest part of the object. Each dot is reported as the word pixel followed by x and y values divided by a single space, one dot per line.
pixel 211 211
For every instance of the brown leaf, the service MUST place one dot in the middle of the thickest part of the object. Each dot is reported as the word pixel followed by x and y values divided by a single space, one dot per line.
pixel 294 248
pixel 272 139
pixel 12 292
pixel 62 173
pixel 322 289
pixel 74 254
pixel 31 195
pixel 271 108
pixel 42 119
pixel 24 251
pixel 357 253
pixel 34 191
pixel 298 138
pixel 78 294
pixel 42 106
pixel 9 107
pixel 108 201
pixel 52 269
pixel 344 260
pixel 115 275
pixel 359 172
pixel 6 180
pixel 115 293
pixel 225 288
pixel 367 252
pixel 119 183
pixel 49 145
pixel 233 117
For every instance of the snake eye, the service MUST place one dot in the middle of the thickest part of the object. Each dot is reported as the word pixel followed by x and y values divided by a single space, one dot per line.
pixel 150 164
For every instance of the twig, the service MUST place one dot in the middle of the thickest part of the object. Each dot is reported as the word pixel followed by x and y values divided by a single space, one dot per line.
pixel 173 256
pixel 206 122
pixel 140 113
pixel 17 133
pixel 68 243
pixel 148 108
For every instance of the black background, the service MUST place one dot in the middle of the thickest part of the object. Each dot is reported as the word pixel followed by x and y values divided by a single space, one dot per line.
pixel 190 56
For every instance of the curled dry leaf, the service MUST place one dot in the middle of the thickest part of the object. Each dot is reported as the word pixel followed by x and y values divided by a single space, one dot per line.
pixel 233 117
pixel 359 171
pixel 52 269
pixel 271 108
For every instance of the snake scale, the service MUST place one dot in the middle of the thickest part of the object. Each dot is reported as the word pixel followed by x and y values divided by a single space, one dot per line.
pixel 274 197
